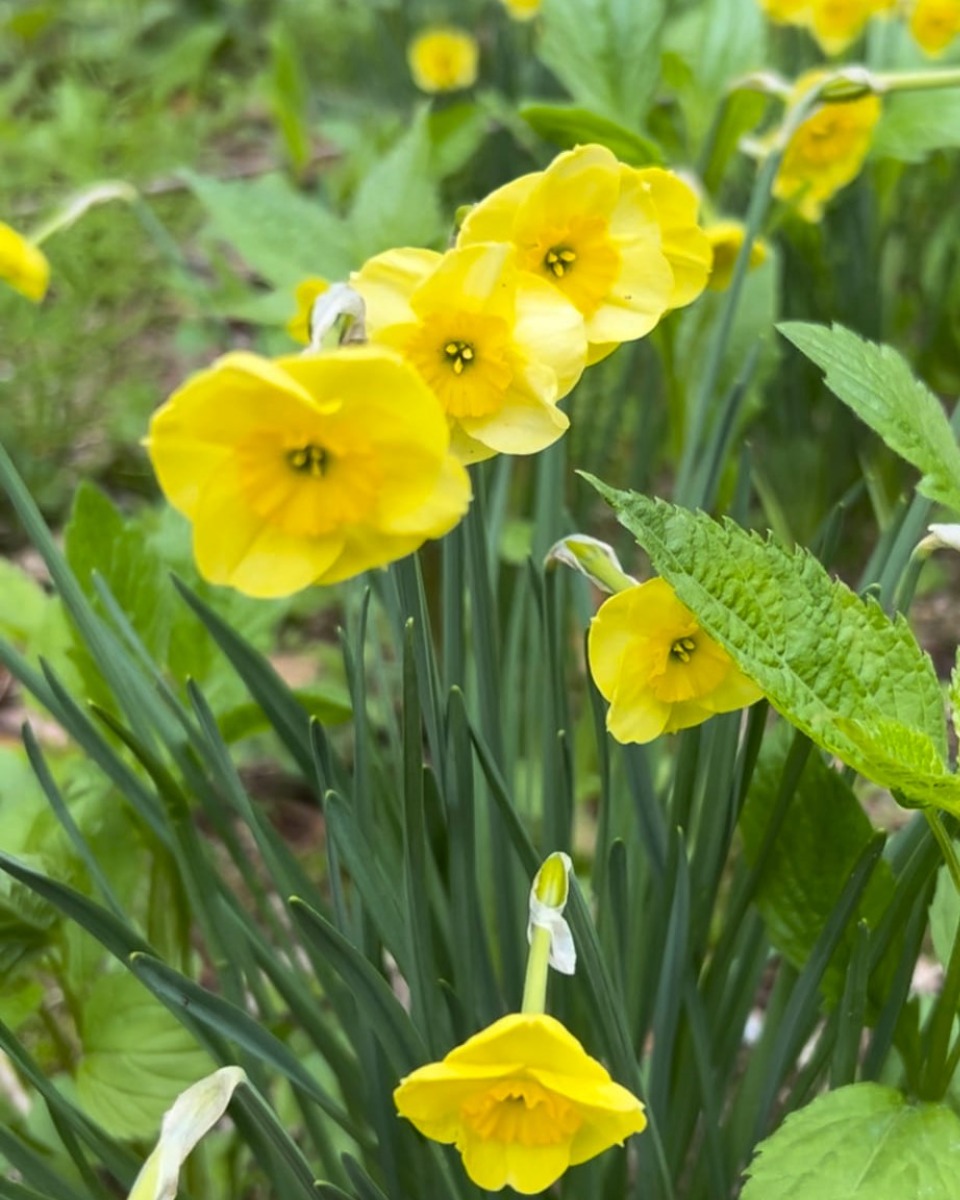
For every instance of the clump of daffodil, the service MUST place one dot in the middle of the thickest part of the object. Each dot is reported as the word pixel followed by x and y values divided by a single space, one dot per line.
pixel 306 469
pixel 726 237
pixel 23 265
pixel 658 669
pixel 934 24
pixel 522 1100
pixel 522 10
pixel 443 59
pixel 827 151
pixel 589 227
pixel 834 23
pixel 498 346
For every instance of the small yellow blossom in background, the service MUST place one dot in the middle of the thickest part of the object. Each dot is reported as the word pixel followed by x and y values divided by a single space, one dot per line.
pixel 522 1101
pixel 591 230
pixel 306 469
pixel 23 265
pixel 306 293
pixel 522 10
pixel 726 238
pixel 826 152
pixel 658 669
pixel 934 24
pixel 498 346
pixel 443 59
pixel 834 23
pixel 785 12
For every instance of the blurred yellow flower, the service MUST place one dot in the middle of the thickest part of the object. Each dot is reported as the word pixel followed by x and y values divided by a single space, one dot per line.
pixel 23 265
pixel 726 238
pixel 658 669
pixel 834 23
pixel 306 293
pixel 826 152
pixel 522 10
pixel 443 59
pixel 306 469
pixel 498 346
pixel 522 1101
pixel 935 23
pixel 785 12
pixel 591 230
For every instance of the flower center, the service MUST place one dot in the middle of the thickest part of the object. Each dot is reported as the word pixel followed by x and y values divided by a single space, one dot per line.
pixel 460 355
pixel 682 649
pixel 559 260
pixel 520 1111
pixel 310 459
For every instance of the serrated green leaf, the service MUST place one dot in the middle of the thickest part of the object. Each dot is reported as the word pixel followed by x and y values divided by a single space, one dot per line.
pixel 569 125
pixel 877 383
pixel 282 234
pixel 836 666
pixel 911 128
pixel 606 53
pixel 805 871
pixel 862 1142
pixel 136 1057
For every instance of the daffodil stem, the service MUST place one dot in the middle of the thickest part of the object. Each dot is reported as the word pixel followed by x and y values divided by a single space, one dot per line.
pixel 538 966
pixel 917 81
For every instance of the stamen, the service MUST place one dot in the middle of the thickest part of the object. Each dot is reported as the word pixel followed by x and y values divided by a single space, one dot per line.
pixel 460 354
pixel 683 649
pixel 559 260
pixel 309 460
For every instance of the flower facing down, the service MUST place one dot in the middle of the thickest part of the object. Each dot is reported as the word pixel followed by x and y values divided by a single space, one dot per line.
pixel 826 152
pixel 498 346
pixel 834 23
pixel 522 10
pixel 23 265
pixel 935 23
pixel 658 669
pixel 443 59
pixel 726 238
pixel 522 1101
pixel 590 230
pixel 306 469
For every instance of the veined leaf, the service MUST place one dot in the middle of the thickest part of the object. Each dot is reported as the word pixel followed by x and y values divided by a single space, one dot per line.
pixel 569 125
pixel 836 666
pixel 877 383
pixel 862 1142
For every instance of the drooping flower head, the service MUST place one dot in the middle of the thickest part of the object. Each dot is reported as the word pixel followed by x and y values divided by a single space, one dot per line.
pixel 834 23
pixel 23 265
pixel 827 151
pixel 658 669
pixel 443 59
pixel 726 238
pixel 522 10
pixel 306 469
pixel 498 346
pixel 522 1101
pixel 935 23
pixel 589 229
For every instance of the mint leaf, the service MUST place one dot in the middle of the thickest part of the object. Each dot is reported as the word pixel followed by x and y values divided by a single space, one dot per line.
pixel 836 666
pixel 877 383
pixel 863 1142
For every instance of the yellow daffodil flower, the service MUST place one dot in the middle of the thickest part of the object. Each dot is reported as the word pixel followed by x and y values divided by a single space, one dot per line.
pixel 306 469
pixel 834 23
pixel 682 240
pixel 726 238
pixel 443 59
pixel 306 293
pixel 591 230
pixel 498 346
pixel 785 12
pixel 23 265
pixel 522 10
pixel 658 669
pixel 934 24
pixel 826 152
pixel 522 1101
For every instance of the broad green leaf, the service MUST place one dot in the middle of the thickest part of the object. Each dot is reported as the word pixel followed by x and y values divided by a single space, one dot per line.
pixel 282 234
pixel 397 203
pixel 568 125
pixel 606 53
pixel 877 383
pixel 836 666
pixel 136 1057
pixel 913 126
pixel 822 836
pixel 19 1002
pixel 862 1142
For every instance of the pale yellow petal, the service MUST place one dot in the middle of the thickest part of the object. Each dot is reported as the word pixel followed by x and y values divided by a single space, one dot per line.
pixel 475 278
pixel 386 282
pixel 682 240
pixel 637 299
pixel 492 219
pixel 548 328
pixel 527 1169
pixel 23 265
pixel 444 506
pixel 525 425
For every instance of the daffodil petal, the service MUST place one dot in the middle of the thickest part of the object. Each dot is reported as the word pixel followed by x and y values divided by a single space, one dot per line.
pixel 493 218
pixel 552 330
pixel 386 282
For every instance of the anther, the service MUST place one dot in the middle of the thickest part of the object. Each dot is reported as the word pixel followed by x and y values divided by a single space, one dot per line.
pixel 460 354
pixel 309 460
pixel 683 649
pixel 559 260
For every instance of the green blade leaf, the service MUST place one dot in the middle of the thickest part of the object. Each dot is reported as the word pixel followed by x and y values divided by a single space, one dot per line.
pixel 863 1142
pixel 877 383
pixel 836 666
